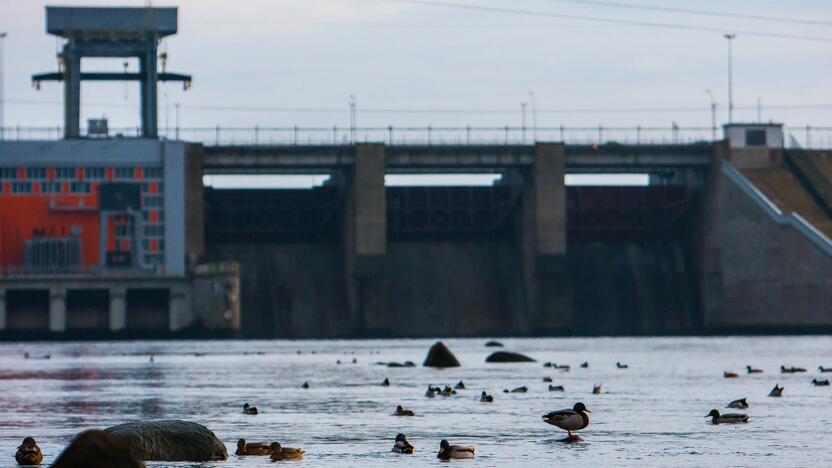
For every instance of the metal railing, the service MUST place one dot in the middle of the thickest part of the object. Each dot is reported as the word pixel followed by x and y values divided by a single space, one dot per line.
pixel 804 136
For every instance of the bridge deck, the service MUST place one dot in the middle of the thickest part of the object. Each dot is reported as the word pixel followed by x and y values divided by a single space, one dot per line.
pixel 453 158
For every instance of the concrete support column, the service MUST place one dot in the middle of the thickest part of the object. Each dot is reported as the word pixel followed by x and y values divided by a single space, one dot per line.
pixel 147 66
pixel 179 310
pixel 118 309
pixel 57 310
pixel 2 309
pixel 543 238
pixel 72 92
pixel 365 236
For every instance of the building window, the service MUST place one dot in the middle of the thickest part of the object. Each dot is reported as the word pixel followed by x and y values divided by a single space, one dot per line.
pixel 64 172
pixel 8 173
pixel 50 187
pixel 152 202
pixel 154 230
pixel 755 138
pixel 94 173
pixel 152 172
pixel 21 187
pixel 79 187
pixel 124 173
pixel 145 187
pixel 35 172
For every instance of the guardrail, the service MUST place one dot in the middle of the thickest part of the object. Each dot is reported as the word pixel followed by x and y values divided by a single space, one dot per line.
pixel 805 136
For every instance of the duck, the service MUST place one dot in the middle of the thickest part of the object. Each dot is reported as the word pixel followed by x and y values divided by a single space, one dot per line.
pixel 486 398
pixel 777 391
pixel 547 364
pixel 447 391
pixel 791 370
pixel 459 386
pixel 752 370
pixel 738 404
pixel 280 452
pixel 569 420
pixel 448 451
pixel 556 388
pixel 563 367
pixel 402 445
pixel 254 448
pixel 585 365
pixel 824 369
pixel 730 375
pixel 547 379
pixel 28 453
pixel 248 409
pixel 596 389
pixel 385 382
pixel 820 383
pixel 403 412
pixel 730 418
pixel 305 385
pixel 430 392
pixel 622 366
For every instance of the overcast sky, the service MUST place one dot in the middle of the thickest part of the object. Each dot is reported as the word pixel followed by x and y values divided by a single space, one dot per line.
pixel 258 57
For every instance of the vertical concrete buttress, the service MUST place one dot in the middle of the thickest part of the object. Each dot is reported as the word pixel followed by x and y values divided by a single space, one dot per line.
pixel 118 309
pixel 57 310
pixel 365 236
pixel 543 243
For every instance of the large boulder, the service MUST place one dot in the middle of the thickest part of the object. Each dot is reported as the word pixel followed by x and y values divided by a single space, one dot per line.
pixel 508 356
pixel 440 356
pixel 170 440
pixel 97 449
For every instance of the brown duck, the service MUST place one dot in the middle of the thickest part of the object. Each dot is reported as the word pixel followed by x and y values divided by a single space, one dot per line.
pixel 253 448
pixel 29 453
pixel 280 452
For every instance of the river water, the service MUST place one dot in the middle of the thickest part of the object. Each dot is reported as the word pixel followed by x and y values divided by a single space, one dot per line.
pixel 650 414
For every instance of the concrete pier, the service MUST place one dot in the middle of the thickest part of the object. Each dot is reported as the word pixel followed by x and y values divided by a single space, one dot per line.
pixel 365 235
pixel 57 309
pixel 543 237
pixel 2 309
pixel 118 309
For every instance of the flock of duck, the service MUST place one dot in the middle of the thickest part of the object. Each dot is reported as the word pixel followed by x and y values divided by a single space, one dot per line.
pixel 570 420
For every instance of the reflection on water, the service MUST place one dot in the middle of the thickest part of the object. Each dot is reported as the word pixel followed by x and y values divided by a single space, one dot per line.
pixel 652 413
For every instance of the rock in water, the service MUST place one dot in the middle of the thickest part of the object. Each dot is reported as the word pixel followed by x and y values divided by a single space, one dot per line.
pixel 508 356
pixel 97 449
pixel 440 356
pixel 493 344
pixel 170 440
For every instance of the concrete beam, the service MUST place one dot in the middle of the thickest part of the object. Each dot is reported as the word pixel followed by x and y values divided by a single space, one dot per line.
pixel 57 309
pixel 118 309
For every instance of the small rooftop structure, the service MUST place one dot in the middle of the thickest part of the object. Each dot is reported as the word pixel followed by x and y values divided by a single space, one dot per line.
pixel 754 135
pixel 111 32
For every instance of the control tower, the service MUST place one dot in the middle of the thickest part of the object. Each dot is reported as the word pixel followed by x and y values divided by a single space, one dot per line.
pixel 111 32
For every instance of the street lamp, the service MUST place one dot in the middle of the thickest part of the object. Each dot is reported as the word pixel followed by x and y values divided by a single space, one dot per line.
pixel 2 91
pixel 352 118
pixel 730 38
pixel 523 122
pixel 713 114
pixel 534 116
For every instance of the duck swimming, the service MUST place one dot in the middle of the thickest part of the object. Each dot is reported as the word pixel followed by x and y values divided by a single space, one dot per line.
pixel 752 370
pixel 584 365
pixel 730 418
pixel 522 389
pixel 459 386
pixel 254 448
pixel 820 383
pixel 447 391
pixel 777 391
pixel 596 389
pixel 569 420
pixel 448 451
pixel 738 404
pixel 730 375
pixel 280 452
pixel 791 370
pixel 824 369
pixel 403 412
pixel 430 392
pixel 247 409
pixel 305 385
pixel 28 453
pixel 402 445
pixel 622 366
pixel 547 379
pixel 486 398
pixel 556 388
pixel 385 382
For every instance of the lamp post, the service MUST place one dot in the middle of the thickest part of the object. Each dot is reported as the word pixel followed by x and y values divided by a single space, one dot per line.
pixel 523 123
pixel 534 116
pixel 730 38
pixel 352 118
pixel 713 114
pixel 2 91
